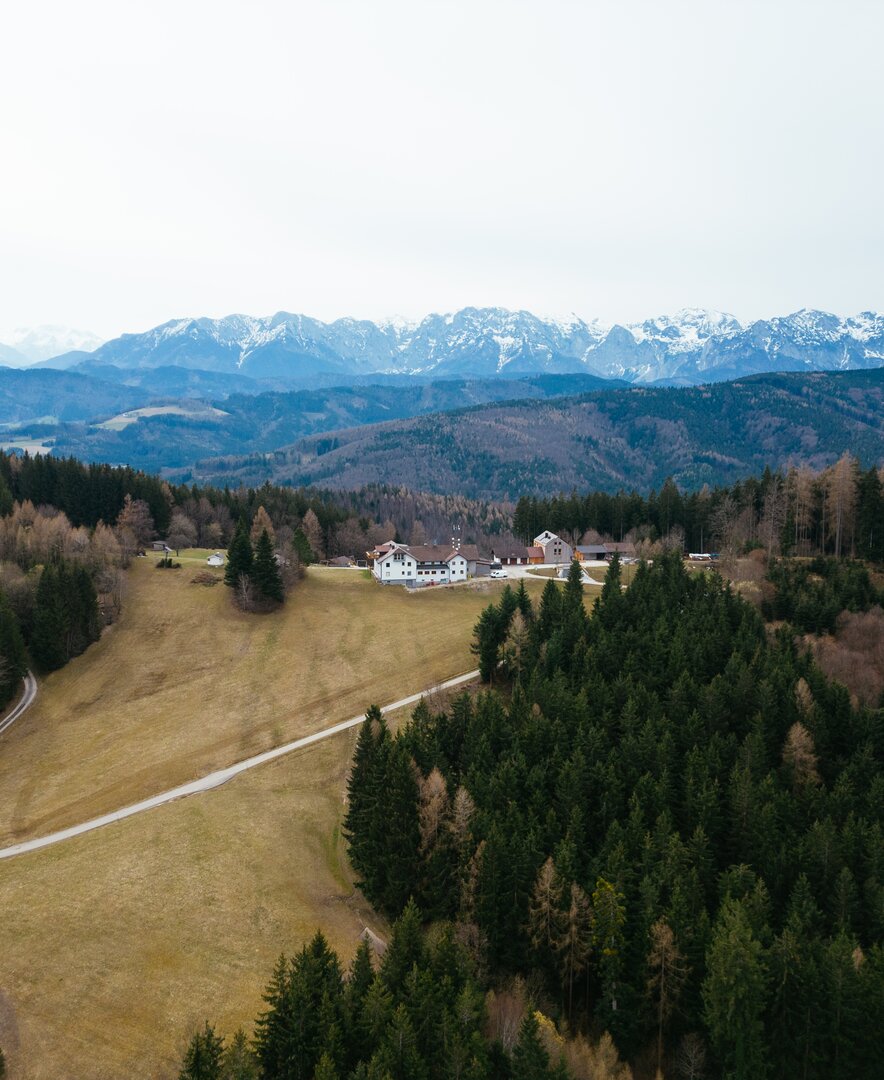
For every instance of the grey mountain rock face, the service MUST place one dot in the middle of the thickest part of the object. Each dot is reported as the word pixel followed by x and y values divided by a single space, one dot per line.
pixel 693 346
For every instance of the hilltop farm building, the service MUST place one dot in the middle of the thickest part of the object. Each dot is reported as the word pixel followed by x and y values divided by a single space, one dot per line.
pixel 444 564
pixel 426 564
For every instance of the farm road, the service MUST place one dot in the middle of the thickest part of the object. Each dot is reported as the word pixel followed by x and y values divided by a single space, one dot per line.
pixel 219 777
pixel 27 700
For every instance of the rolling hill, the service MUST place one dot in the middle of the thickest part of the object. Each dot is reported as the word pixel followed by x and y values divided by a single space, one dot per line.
pixel 603 439
pixel 245 423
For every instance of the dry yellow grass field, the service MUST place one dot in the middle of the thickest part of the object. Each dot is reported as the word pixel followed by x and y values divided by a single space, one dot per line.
pixel 117 944
pixel 185 684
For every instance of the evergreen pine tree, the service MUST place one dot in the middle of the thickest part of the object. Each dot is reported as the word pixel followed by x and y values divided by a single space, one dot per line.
pixel 265 572
pixel 396 830
pixel 238 1061
pixel 12 653
pixel 530 1060
pixel 399 1056
pixel 325 1069
pixel 486 647
pixel 202 1060
pixel 239 556
pixel 49 636
pixel 734 995
pixel 406 949
pixel 364 787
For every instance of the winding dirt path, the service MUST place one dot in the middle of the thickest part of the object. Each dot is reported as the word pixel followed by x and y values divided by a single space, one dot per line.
pixel 217 778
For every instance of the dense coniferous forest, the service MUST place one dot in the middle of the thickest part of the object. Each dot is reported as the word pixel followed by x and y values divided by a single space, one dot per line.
pixel 811 595
pixel 667 820
pixel 800 512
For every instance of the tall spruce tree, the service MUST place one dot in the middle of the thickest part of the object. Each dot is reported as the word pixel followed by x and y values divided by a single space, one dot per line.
pixel 49 635
pixel 363 795
pixel 240 556
pixel 265 572
pixel 202 1060
pixel 13 661
pixel 735 995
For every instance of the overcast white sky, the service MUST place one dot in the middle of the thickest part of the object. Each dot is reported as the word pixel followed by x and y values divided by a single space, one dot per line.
pixel 615 158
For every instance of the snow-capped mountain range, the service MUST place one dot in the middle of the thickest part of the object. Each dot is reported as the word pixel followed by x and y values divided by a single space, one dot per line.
pixel 693 346
pixel 30 344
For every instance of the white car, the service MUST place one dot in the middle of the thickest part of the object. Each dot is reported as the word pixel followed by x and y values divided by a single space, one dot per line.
pixel 499 572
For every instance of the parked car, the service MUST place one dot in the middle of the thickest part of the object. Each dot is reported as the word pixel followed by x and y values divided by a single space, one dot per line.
pixel 499 572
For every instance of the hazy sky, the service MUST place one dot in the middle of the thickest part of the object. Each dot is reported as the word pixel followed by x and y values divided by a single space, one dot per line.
pixel 614 158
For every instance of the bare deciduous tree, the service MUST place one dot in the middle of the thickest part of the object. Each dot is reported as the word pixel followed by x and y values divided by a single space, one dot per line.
pixel 183 532
pixel 840 485
pixel 260 522
pixel 800 485
pixel 690 1061
pixel 799 754
pixel 462 812
pixel 313 531
pixel 595 1061
pixel 506 1010
pixel 773 516
pixel 575 939
pixel 245 593
pixel 433 808
pixel 667 975
pixel 544 914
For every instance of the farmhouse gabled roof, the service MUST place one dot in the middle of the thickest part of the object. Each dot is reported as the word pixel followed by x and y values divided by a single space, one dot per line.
pixel 434 552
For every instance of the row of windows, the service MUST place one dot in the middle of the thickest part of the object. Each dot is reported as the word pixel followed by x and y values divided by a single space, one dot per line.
pixel 439 570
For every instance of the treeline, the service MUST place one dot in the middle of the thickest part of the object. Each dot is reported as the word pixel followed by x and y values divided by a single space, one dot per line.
pixel 423 1014
pixel 669 825
pixel 93 493
pixel 838 511
pixel 423 517
pixel 333 523
pixel 68 530
pixel 13 658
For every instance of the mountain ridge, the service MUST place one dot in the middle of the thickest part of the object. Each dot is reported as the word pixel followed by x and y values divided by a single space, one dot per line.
pixel 632 437
pixel 691 347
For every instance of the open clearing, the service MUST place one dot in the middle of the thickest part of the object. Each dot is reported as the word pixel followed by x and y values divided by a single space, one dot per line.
pixel 33 446
pixel 185 684
pixel 122 420
pixel 116 945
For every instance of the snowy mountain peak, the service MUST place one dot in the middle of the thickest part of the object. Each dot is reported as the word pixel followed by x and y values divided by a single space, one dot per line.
pixel 688 328
pixel 35 343
pixel 691 346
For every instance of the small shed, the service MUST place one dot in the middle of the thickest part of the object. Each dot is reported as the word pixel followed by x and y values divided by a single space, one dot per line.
pixel 216 560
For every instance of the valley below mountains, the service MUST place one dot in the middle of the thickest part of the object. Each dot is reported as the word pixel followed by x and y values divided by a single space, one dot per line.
pixel 484 402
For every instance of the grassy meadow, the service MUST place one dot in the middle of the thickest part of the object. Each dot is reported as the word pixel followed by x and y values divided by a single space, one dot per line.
pixel 116 945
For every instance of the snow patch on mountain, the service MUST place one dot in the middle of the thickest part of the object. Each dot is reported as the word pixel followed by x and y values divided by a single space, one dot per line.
pixel 691 346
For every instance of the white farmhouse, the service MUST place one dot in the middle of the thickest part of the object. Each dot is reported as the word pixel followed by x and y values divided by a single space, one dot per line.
pixel 419 564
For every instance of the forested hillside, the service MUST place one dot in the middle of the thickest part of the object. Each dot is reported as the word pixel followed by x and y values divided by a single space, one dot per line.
pixel 244 421
pixel 802 512
pixel 669 823
pixel 633 438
